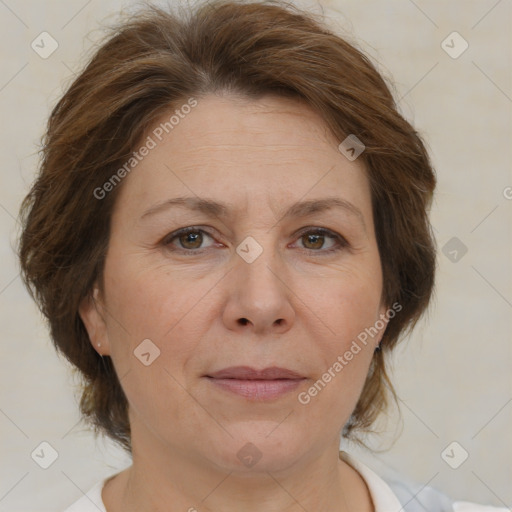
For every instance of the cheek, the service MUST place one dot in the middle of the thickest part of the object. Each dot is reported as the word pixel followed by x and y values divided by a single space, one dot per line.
pixel 168 308
pixel 346 350
pixel 152 304
pixel 350 302
pixel 349 309
pixel 147 301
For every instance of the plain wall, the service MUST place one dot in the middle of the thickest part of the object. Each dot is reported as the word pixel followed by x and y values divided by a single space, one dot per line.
pixel 453 375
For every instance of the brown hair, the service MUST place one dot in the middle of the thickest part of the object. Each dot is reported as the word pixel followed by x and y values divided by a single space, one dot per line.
pixel 154 62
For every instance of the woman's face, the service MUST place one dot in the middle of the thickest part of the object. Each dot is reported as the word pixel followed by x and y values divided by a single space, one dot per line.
pixel 251 285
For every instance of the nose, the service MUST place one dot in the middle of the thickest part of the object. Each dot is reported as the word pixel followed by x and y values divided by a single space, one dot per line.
pixel 259 296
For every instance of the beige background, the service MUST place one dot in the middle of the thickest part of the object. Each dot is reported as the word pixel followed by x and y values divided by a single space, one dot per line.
pixel 453 375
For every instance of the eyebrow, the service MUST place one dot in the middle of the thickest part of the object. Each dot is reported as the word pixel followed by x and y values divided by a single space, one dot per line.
pixel 215 209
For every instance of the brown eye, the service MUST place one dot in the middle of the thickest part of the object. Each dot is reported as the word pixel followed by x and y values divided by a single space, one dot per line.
pixel 314 240
pixel 186 240
pixel 191 240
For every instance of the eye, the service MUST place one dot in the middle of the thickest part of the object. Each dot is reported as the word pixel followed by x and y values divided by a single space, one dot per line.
pixel 188 239
pixel 313 240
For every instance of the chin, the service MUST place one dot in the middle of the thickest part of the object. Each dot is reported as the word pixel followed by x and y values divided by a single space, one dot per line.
pixel 258 449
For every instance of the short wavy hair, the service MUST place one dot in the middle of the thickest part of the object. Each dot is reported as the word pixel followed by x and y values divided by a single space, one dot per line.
pixel 150 63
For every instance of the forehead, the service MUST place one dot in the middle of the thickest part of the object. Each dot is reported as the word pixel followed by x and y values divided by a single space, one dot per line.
pixel 234 147
pixel 271 124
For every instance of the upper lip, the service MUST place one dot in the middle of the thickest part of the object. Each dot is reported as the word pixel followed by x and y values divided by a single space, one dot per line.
pixel 248 373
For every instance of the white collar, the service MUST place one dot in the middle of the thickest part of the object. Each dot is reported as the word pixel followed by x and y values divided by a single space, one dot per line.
pixel 384 499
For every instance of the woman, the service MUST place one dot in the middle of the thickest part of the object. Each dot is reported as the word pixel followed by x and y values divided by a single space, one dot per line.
pixel 229 235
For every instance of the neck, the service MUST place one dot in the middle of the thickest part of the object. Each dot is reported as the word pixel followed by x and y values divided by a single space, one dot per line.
pixel 160 481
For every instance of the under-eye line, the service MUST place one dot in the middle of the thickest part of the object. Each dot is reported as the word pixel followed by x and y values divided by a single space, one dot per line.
pixel 341 242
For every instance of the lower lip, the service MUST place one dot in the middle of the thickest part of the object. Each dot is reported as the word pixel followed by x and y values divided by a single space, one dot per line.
pixel 258 389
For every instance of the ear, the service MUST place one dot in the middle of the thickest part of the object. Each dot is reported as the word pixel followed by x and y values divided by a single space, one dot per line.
pixel 91 312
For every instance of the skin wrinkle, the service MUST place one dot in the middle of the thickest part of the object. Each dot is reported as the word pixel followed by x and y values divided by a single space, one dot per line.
pixel 186 433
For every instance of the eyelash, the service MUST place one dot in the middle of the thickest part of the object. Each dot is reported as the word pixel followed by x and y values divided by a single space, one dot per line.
pixel 341 241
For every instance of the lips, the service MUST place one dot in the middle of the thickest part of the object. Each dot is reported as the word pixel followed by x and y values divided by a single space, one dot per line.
pixel 248 373
pixel 256 385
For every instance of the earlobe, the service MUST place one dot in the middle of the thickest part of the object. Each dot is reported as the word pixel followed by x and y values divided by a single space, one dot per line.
pixel 91 313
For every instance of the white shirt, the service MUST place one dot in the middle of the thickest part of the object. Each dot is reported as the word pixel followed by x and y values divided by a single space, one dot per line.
pixel 383 497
